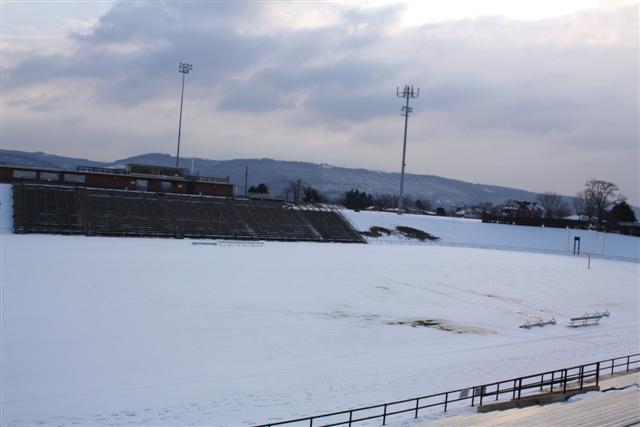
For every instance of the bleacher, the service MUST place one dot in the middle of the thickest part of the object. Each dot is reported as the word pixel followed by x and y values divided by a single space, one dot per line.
pixel 120 213
pixel 66 210
pixel 331 225
pixel 275 223
pixel 206 217
pixel 46 210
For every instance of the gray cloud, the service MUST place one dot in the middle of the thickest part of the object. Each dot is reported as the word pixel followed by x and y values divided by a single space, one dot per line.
pixel 570 81
pixel 466 66
pixel 255 97
pixel 134 50
pixel 124 22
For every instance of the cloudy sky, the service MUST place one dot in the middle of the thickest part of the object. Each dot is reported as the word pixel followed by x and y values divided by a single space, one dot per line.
pixel 541 95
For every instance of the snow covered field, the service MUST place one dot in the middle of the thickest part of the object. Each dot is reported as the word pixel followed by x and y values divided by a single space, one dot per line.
pixel 108 331
pixel 472 232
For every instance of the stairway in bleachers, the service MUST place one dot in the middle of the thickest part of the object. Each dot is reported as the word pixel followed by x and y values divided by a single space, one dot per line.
pixel 65 210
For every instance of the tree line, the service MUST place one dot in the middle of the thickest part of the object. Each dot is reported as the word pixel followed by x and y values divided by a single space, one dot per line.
pixel 299 192
pixel 599 201
pixel 296 192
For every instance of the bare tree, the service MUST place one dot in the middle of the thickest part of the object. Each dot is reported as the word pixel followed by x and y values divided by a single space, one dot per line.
pixel 295 190
pixel 385 201
pixel 584 206
pixel 563 209
pixel 602 194
pixel 550 201
pixel 554 205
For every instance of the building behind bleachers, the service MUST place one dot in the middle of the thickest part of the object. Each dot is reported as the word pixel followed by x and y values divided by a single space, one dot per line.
pixel 102 212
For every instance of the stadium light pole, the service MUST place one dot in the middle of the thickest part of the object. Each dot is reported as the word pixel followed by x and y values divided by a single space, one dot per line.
pixel 183 68
pixel 408 93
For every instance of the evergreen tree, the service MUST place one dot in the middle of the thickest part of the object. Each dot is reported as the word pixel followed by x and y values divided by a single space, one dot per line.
pixel 622 212
pixel 311 195
pixel 425 206
pixel 261 188
pixel 354 199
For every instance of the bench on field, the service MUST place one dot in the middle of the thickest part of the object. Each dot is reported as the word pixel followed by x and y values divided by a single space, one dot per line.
pixel 539 323
pixel 588 319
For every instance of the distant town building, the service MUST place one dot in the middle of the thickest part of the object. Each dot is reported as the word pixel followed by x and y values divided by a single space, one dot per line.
pixel 522 209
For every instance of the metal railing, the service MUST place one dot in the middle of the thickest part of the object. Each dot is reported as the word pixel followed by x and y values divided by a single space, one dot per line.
pixel 111 171
pixel 117 171
pixel 559 380
pixel 224 180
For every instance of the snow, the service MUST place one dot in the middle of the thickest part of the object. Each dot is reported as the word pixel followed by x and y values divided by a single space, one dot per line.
pixel 474 233
pixel 117 331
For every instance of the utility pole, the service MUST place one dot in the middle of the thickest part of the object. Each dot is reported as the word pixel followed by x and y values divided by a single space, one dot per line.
pixel 184 69
pixel 246 179
pixel 407 93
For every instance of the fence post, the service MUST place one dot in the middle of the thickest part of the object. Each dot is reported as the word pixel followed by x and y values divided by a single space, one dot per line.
pixel 581 376
pixel 564 387
pixel 553 374
pixel 473 396
pixel 541 381
pixel 514 390
pixel 446 400
pixel 497 391
pixel 311 422
pixel 481 394
pixel 417 404
pixel 612 366
pixel 350 417
pixel 597 374
pixel 519 387
pixel 384 415
pixel 628 357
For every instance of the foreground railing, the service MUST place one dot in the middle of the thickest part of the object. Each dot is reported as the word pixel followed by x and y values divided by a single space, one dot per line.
pixel 560 380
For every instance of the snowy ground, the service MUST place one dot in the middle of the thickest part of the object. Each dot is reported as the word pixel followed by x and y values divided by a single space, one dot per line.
pixel 108 331
pixel 473 233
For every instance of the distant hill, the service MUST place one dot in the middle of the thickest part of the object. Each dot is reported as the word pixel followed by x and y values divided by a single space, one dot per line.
pixel 331 181
pixel 40 159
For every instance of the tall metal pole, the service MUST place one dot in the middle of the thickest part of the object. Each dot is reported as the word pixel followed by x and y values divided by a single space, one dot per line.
pixel 246 180
pixel 184 69
pixel 404 154
pixel 407 93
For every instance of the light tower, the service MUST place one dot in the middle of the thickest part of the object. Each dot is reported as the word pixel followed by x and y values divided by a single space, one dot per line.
pixel 407 93
pixel 183 68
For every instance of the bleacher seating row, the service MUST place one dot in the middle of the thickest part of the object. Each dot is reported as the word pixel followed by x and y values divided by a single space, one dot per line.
pixel 55 212
pixel 65 210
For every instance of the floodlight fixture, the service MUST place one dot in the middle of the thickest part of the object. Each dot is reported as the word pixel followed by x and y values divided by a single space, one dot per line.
pixel 185 68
